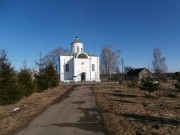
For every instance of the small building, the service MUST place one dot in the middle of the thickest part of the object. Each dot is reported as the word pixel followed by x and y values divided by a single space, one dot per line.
pixel 170 76
pixel 138 74
pixel 177 75
pixel 78 65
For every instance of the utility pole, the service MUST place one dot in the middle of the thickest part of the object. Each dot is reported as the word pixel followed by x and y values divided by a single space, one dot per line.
pixel 106 69
pixel 122 61
pixel 148 64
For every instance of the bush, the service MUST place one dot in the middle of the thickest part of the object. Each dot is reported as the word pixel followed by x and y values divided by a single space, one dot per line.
pixel 150 85
pixel 163 78
pixel 10 94
pixel 133 84
pixel 120 81
pixel 177 85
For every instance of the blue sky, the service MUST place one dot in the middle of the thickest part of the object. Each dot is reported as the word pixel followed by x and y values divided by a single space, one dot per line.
pixel 136 27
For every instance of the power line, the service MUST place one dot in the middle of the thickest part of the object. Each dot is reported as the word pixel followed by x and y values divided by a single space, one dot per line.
pixel 23 60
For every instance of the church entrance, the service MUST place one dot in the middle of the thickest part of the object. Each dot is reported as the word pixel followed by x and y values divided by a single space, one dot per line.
pixel 83 76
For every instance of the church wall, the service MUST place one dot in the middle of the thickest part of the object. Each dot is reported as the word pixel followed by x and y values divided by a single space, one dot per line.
pixel 81 65
pixel 85 65
pixel 66 75
pixel 95 74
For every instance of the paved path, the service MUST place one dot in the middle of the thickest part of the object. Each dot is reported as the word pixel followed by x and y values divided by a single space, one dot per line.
pixel 77 114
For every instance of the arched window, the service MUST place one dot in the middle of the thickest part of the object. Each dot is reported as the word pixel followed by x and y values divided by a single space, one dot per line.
pixel 67 67
pixel 77 48
pixel 93 67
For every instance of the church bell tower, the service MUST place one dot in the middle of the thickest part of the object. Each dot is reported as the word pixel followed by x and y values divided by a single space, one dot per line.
pixel 76 46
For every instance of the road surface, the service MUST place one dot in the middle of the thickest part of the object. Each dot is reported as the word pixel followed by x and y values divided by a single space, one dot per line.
pixel 76 114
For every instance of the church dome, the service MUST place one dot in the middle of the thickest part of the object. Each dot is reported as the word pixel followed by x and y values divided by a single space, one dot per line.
pixel 76 40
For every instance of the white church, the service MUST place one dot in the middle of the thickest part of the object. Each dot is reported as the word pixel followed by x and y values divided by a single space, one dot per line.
pixel 78 66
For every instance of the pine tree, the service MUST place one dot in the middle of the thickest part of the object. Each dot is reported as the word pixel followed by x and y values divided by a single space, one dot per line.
pixel 41 80
pixel 26 81
pixel 148 84
pixel 47 77
pixel 52 75
pixel 9 89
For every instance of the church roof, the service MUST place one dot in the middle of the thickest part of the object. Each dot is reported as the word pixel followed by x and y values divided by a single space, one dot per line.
pixel 92 54
pixel 68 54
pixel 135 72
pixel 75 54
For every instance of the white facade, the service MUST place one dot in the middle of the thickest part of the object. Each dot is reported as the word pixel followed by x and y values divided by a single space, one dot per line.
pixel 78 65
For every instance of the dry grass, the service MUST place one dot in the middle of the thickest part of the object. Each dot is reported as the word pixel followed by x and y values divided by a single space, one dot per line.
pixel 130 112
pixel 11 122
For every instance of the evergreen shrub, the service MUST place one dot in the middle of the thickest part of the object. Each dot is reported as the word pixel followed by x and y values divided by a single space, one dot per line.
pixel 25 80
pixel 10 91
pixel 148 84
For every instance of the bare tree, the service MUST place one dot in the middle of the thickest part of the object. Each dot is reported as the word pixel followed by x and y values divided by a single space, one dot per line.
pixel 158 63
pixel 109 60
pixel 127 68
pixel 51 57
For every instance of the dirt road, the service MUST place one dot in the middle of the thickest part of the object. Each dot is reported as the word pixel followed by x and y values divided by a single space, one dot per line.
pixel 76 114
